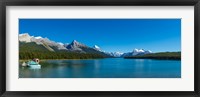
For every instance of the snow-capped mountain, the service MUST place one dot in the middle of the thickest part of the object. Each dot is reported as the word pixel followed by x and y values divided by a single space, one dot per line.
pixel 97 48
pixel 133 53
pixel 41 41
pixel 50 45
pixel 25 37
pixel 113 54
pixel 76 46
pixel 140 51
pixel 116 54
pixel 137 52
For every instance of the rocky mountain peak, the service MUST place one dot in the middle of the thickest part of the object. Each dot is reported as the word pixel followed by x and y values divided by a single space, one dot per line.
pixel 25 37
pixel 77 44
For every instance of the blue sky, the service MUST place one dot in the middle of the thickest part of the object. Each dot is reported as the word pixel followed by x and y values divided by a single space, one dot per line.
pixel 110 35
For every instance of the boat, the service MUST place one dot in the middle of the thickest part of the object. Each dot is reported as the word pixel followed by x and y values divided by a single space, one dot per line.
pixel 34 64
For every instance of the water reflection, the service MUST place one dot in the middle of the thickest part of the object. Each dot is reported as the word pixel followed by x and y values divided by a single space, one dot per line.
pixel 104 68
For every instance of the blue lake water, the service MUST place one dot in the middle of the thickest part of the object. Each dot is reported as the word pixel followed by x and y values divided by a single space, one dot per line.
pixel 105 68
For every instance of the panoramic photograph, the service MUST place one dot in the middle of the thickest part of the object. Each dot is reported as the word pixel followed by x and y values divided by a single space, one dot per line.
pixel 99 48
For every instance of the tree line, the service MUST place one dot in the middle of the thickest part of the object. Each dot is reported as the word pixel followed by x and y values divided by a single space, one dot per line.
pixel 58 55
pixel 161 55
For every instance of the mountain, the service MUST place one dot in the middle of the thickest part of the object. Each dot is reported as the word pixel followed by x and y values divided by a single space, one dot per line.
pixel 30 43
pixel 39 43
pixel 32 50
pixel 113 54
pixel 160 55
pixel 48 44
pixel 116 54
pixel 136 52
pixel 25 37
pixel 31 47
pixel 76 46
pixel 133 53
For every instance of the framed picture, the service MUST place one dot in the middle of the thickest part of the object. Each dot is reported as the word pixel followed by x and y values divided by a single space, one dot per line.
pixel 99 48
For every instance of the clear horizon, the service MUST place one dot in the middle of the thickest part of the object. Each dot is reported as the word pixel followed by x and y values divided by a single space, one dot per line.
pixel 111 35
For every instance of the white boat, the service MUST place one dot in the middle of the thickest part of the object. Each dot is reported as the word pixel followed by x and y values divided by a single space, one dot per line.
pixel 33 65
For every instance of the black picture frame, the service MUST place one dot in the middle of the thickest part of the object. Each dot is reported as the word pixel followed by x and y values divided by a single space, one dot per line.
pixel 5 93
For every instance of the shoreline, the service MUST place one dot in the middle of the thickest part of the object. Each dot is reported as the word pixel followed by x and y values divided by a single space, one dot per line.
pixel 58 59
pixel 163 58
pixel 155 58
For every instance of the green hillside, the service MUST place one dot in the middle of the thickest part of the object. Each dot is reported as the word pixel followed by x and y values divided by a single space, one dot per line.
pixel 32 50
pixel 161 55
pixel 31 47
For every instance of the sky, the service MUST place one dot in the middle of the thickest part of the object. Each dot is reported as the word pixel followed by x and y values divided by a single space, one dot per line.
pixel 111 35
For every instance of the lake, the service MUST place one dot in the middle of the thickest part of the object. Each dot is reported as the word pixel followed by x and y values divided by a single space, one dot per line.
pixel 104 68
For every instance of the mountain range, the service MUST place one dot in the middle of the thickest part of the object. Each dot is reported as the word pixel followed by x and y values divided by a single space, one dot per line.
pixel 45 44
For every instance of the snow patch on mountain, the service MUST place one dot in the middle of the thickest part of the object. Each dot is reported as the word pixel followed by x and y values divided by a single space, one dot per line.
pixel 60 43
pixel 38 37
pixel 97 48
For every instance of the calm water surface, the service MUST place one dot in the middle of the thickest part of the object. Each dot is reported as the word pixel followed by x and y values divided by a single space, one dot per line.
pixel 105 68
